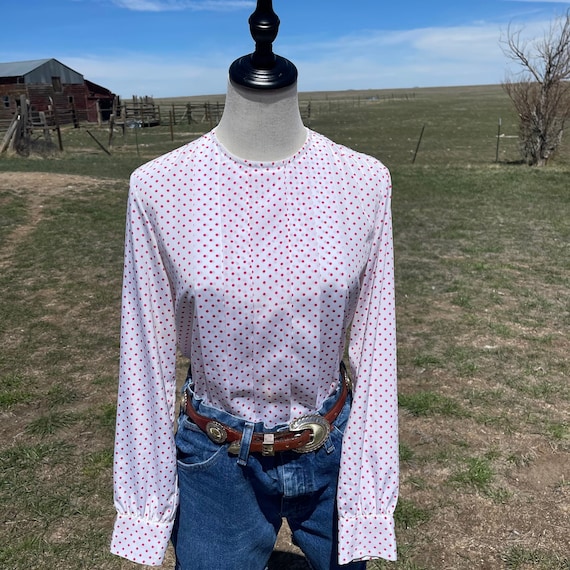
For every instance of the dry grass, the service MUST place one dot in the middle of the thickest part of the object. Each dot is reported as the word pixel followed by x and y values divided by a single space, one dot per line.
pixel 483 273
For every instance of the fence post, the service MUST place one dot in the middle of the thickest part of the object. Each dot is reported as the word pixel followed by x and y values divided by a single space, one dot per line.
pixel 43 120
pixel 418 145
pixel 498 139
pixel 74 116
pixel 208 113
pixel 111 129
pixel 53 109
pixel 24 130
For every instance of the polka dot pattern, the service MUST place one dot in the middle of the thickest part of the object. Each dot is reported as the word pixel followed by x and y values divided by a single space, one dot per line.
pixel 255 271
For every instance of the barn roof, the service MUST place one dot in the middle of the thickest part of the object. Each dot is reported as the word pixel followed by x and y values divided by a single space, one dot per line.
pixel 19 68
pixel 99 89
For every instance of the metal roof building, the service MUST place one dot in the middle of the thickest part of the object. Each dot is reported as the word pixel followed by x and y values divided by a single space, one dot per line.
pixel 48 82
pixel 40 71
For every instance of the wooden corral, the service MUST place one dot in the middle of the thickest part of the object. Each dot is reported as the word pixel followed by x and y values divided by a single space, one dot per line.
pixel 28 127
pixel 145 112
pixel 141 110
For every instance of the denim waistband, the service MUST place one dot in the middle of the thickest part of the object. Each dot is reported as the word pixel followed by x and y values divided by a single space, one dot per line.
pixel 239 423
pixel 248 428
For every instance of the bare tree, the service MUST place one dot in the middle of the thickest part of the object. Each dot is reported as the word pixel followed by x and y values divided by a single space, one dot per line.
pixel 540 91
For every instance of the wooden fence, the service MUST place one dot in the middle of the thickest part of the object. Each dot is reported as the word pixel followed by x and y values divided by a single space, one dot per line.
pixel 147 113
pixel 20 133
pixel 189 113
pixel 144 112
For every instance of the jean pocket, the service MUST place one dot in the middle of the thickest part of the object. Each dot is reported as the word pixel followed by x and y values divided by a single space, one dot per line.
pixel 194 449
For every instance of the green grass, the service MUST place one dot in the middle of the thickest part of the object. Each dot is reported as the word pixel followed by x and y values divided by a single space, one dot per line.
pixel 409 515
pixel 13 390
pixel 429 403
pixel 482 271
pixel 50 423
pixel 520 558
pixel 60 297
pixel 476 473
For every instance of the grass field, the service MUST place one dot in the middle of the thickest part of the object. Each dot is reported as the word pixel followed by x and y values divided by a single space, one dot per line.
pixel 483 280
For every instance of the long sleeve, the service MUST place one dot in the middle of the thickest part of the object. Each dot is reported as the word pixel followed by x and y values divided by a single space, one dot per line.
pixel 255 270
pixel 368 484
pixel 144 470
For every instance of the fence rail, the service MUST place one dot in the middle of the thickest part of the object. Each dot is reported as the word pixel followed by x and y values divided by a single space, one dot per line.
pixel 148 113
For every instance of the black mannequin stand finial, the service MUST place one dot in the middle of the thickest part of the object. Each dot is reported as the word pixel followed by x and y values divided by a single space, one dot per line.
pixel 263 69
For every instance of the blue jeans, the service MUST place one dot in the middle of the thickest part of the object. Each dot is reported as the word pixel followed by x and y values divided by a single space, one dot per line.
pixel 230 512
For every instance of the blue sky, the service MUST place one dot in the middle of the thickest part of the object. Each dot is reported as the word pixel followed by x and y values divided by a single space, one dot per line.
pixel 168 48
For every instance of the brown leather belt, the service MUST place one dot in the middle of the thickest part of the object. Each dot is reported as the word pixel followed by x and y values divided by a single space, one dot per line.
pixel 305 434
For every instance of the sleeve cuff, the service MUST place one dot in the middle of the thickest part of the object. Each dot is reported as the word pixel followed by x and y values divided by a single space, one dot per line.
pixel 141 541
pixel 366 537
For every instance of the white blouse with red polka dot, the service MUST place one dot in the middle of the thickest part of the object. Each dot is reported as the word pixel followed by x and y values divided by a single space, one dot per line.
pixel 255 272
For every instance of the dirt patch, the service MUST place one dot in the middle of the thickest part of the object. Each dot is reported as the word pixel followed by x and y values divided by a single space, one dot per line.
pixel 38 188
pixel 47 183
pixel 547 472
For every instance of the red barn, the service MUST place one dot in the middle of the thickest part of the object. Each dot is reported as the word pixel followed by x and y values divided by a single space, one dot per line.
pixel 40 80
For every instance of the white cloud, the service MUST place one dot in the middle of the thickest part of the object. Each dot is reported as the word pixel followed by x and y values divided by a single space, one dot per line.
pixel 464 55
pixel 434 56
pixel 474 43
pixel 178 5
pixel 377 59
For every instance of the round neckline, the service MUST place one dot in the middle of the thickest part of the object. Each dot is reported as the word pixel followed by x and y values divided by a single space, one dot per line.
pixel 263 163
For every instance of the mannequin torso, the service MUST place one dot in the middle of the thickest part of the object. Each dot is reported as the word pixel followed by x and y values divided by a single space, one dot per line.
pixel 261 125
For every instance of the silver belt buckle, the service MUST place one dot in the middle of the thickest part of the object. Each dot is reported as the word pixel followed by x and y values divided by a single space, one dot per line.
pixel 319 427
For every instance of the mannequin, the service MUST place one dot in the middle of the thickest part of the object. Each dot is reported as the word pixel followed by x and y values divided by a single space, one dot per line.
pixel 261 119
pixel 251 251
pixel 261 125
